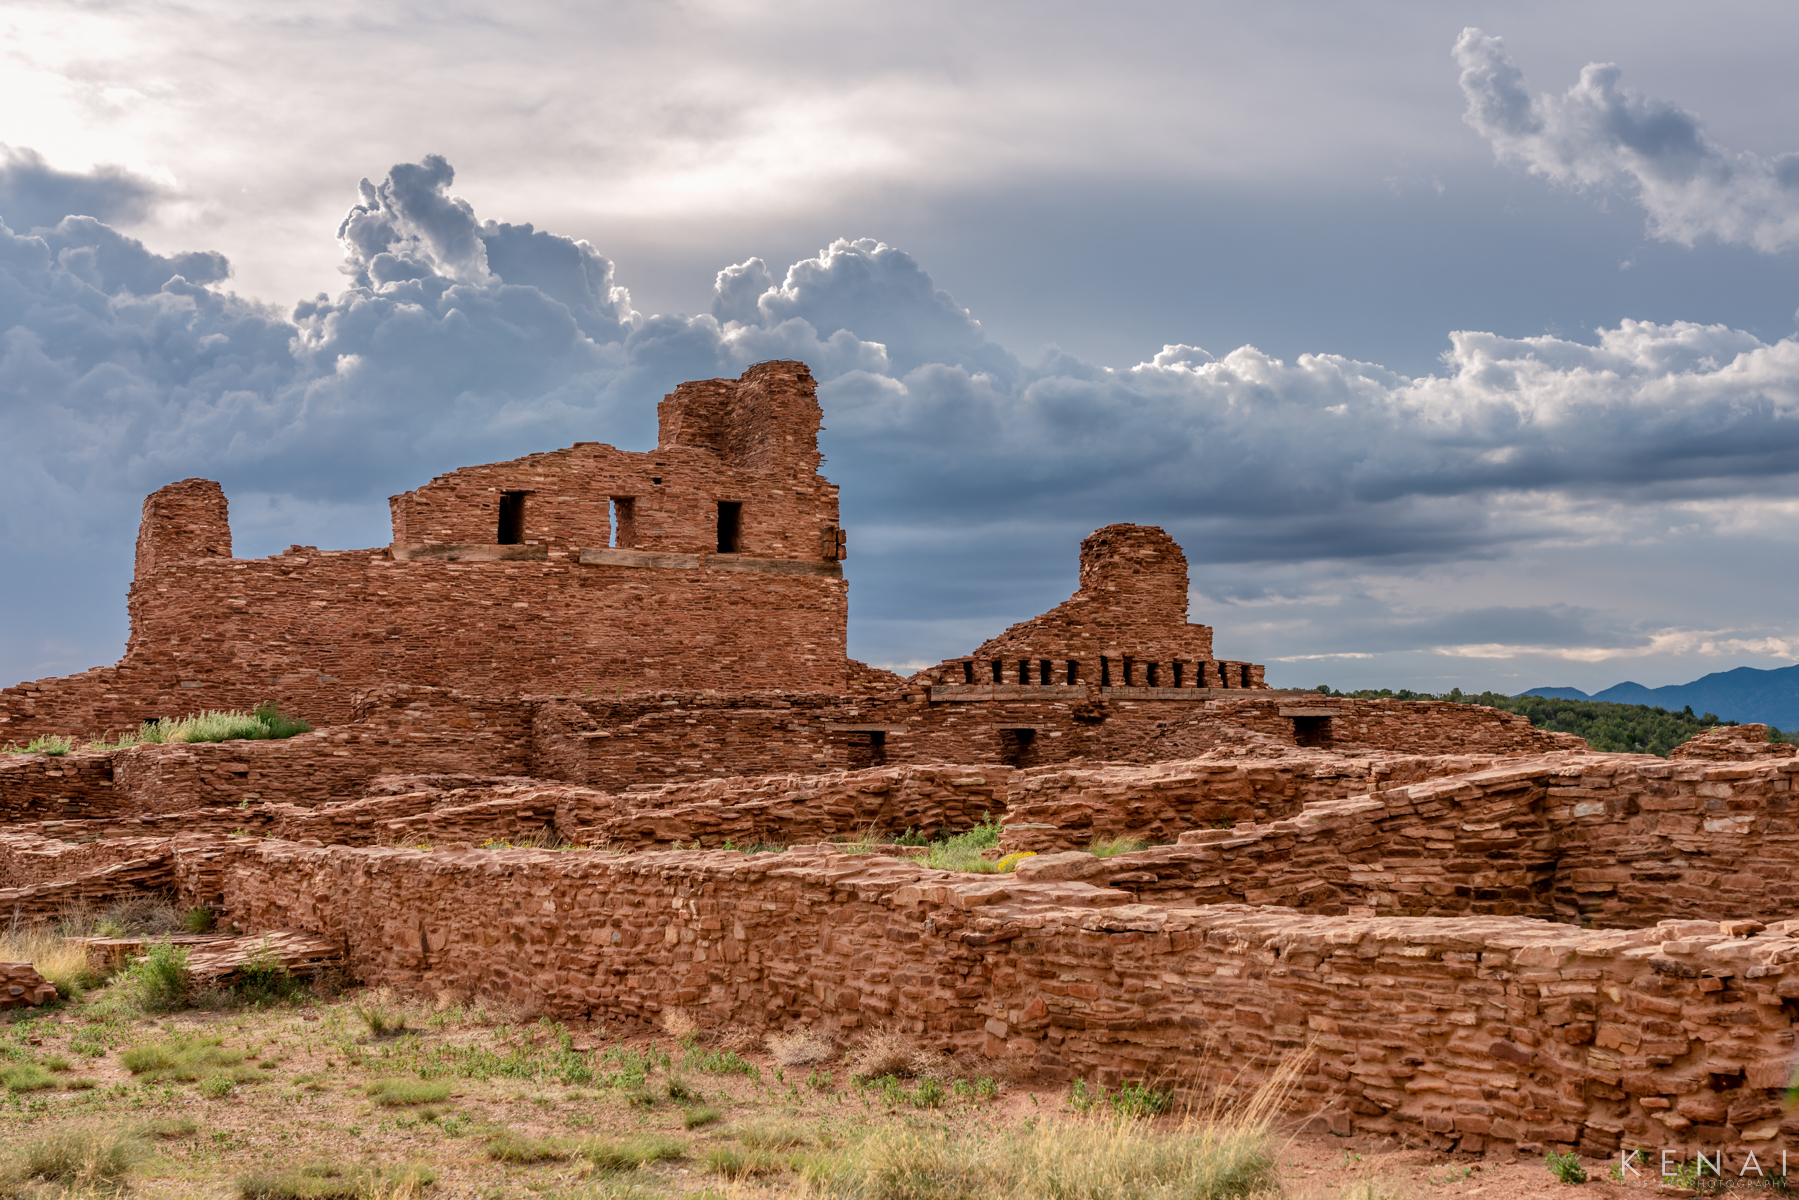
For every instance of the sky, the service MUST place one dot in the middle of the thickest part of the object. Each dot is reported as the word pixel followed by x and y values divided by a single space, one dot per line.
pixel 1458 344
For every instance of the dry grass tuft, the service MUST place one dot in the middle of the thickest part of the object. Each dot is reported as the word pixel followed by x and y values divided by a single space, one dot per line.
pixel 801 1048
pixel 62 961
pixel 84 1159
pixel 888 1051
pixel 678 1023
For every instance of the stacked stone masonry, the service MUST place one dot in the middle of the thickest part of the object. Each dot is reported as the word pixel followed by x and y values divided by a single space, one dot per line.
pixel 1477 935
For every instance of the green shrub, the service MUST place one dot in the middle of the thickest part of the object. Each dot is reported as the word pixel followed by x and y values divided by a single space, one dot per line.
pixel 1565 1166
pixel 47 744
pixel 217 1087
pixel 198 919
pixel 264 978
pixel 397 1093
pixel 159 981
pixel 930 1094
pixel 1130 1100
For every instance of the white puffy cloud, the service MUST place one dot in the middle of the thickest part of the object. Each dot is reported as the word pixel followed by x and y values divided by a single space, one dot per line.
pixel 463 340
pixel 1599 134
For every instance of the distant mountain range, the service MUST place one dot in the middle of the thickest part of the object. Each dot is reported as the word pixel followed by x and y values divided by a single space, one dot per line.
pixel 1745 694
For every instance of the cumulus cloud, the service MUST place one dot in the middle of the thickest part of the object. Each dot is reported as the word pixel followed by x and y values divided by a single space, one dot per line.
pixel 34 194
pixel 1601 134
pixel 461 340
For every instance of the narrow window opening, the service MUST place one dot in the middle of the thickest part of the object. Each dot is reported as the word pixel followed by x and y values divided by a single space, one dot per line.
pixel 1043 671
pixel 1024 671
pixel 730 526
pixel 1177 673
pixel 1015 746
pixel 1150 674
pixel 968 671
pixel 999 671
pixel 624 522
pixel 874 751
pixel 512 518
pixel 1105 671
pixel 1127 670
pixel 1074 672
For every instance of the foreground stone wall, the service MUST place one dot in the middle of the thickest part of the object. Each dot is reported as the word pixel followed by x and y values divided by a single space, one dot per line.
pixel 35 787
pixel 1481 1034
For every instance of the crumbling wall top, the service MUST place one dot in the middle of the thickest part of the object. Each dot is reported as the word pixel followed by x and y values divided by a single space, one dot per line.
pixel 183 521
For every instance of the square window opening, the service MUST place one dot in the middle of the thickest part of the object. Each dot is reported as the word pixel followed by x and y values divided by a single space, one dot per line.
pixel 730 526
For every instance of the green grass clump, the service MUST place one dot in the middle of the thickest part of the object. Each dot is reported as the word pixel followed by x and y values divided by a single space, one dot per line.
pixel 1095 1160
pixel 720 1062
pixel 190 1060
pixel 627 1154
pixel 509 1147
pixel 966 851
pixel 733 1163
pixel 198 919
pixel 398 1093
pixel 26 1077
pixel 772 1137
pixel 695 1118
pixel 1112 847
pixel 261 724
pixel 378 1019
pixel 336 1181
pixel 44 744
pixel 168 1127
pixel 82 1160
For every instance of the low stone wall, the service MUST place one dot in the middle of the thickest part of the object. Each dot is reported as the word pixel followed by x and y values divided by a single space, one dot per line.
pixel 1614 840
pixel 71 786
pixel 790 808
pixel 1476 1034
pixel 1064 808
pixel 27 858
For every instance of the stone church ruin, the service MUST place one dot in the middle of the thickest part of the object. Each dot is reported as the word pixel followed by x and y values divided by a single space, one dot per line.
pixel 1480 936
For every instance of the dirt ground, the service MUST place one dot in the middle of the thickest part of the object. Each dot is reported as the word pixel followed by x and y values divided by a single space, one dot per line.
pixel 296 1083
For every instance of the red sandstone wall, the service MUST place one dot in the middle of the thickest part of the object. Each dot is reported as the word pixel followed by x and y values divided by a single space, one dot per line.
pixel 308 631
pixel 1490 1034
pixel 35 787
pixel 183 521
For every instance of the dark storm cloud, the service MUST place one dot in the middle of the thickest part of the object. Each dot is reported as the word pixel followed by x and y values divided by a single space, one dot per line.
pixel 463 340
pixel 34 194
